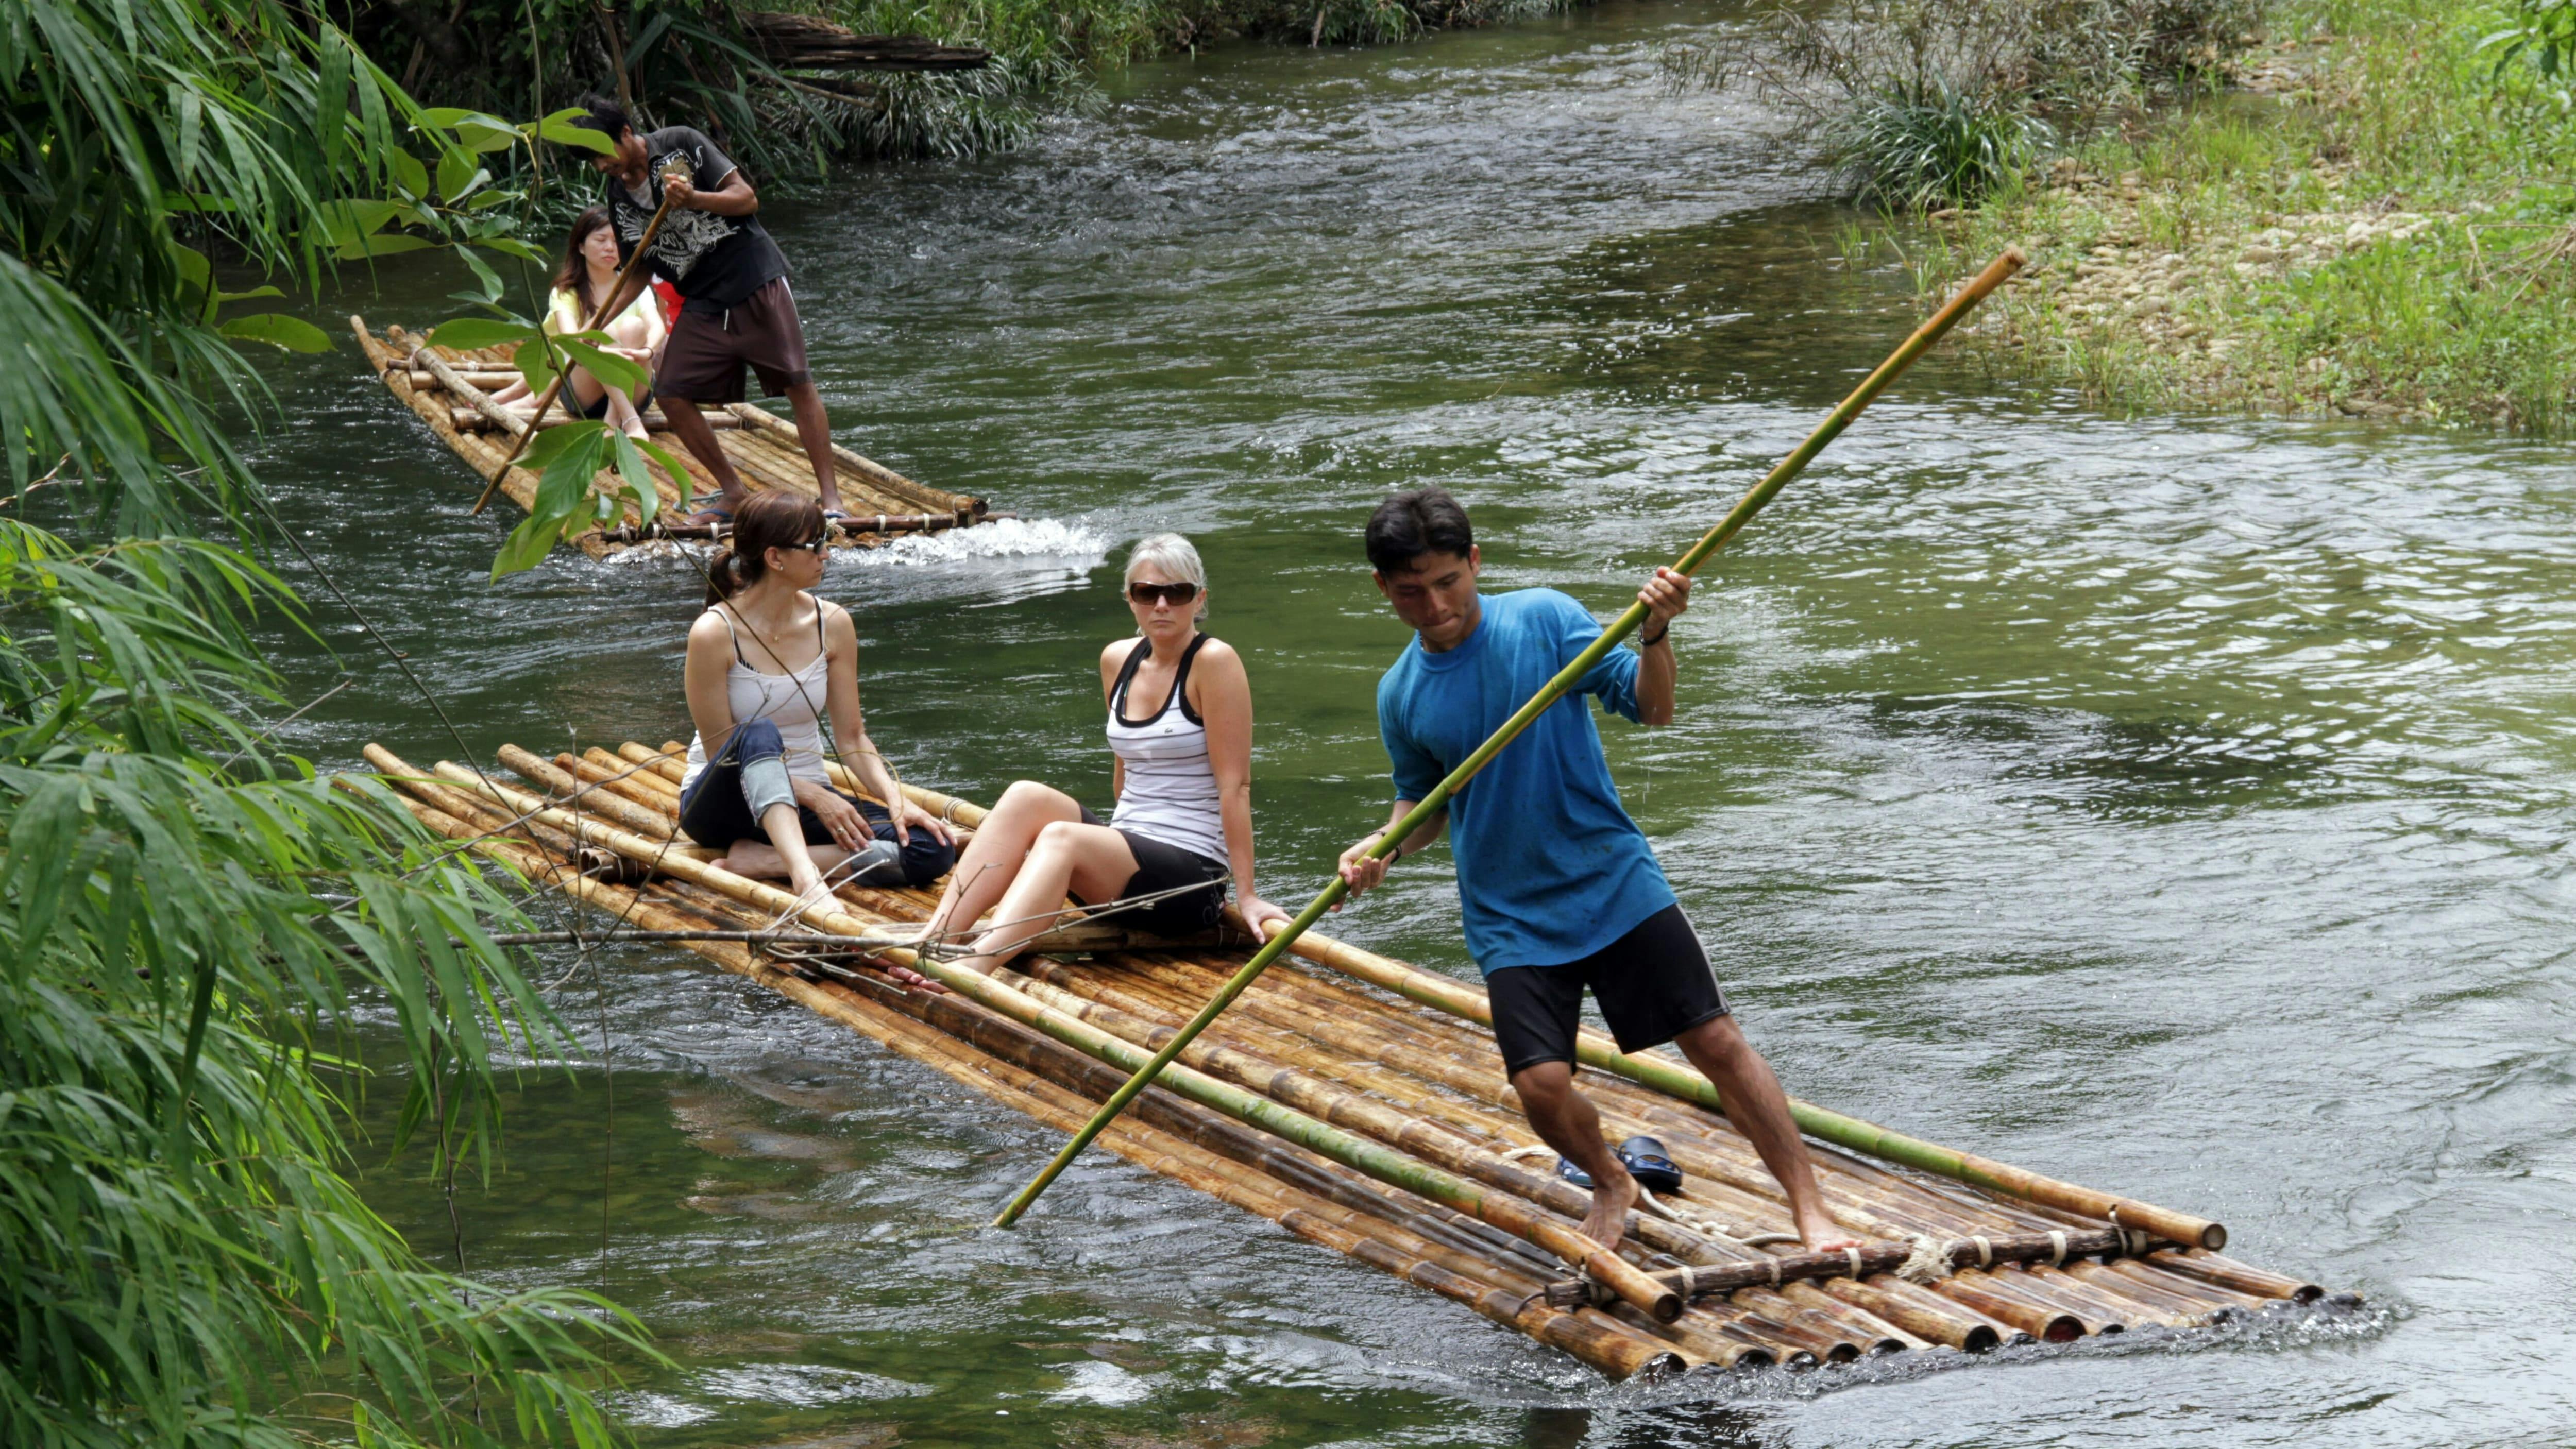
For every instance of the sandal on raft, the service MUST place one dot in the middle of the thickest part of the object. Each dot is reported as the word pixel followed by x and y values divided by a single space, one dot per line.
pixel 1646 1161
pixel 708 517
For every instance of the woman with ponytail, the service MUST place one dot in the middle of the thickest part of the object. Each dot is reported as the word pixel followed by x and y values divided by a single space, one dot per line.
pixel 768 665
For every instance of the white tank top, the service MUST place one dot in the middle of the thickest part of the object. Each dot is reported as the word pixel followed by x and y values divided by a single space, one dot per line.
pixel 1171 789
pixel 793 702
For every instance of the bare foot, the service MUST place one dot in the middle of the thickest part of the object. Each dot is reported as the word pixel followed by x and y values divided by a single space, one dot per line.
pixel 1611 1200
pixel 1822 1234
pixel 814 893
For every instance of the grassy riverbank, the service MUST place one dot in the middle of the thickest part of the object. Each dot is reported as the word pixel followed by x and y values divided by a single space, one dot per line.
pixel 2373 222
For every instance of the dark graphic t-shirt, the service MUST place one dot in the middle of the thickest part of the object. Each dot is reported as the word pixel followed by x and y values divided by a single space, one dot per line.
pixel 714 261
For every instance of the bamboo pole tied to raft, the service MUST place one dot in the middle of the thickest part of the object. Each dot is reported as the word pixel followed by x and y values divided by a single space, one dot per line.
pixel 1627 623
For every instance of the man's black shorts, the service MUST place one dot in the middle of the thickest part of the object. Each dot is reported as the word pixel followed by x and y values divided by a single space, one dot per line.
pixel 1653 984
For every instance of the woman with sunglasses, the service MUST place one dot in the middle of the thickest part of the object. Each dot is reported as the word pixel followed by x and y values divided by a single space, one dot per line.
pixel 1180 727
pixel 767 663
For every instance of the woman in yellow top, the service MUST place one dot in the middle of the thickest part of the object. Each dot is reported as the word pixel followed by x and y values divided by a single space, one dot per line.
pixel 589 269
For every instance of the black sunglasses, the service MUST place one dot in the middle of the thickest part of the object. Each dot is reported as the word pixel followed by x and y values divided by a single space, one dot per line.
pixel 1174 594
pixel 820 543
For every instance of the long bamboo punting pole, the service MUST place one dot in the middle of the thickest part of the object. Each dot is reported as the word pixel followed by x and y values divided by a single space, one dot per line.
pixel 598 315
pixel 1438 798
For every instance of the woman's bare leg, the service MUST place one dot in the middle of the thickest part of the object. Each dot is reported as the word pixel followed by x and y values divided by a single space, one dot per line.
pixel 622 414
pixel 993 857
pixel 1092 861
pixel 788 856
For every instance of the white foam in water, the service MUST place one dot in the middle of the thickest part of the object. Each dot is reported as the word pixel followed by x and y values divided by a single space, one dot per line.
pixel 1078 544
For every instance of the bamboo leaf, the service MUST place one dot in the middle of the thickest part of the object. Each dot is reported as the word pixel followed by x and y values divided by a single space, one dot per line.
pixel 612 370
pixel 525 548
pixel 536 363
pixel 409 175
pixel 484 276
pixel 278 330
pixel 467 333
pixel 559 128
pixel 384 245
pixel 630 469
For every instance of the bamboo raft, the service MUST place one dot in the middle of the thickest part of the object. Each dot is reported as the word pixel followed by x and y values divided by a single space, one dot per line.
pixel 1354 1101
pixel 450 390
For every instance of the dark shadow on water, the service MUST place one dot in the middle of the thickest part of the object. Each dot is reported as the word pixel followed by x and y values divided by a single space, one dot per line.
pixel 1757 304
pixel 2061 759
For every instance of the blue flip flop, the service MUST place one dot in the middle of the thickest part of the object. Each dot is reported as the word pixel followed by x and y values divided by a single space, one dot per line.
pixel 1566 1169
pixel 1646 1161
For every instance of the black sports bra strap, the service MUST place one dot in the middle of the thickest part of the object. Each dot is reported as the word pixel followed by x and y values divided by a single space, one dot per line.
pixel 1181 683
pixel 1126 676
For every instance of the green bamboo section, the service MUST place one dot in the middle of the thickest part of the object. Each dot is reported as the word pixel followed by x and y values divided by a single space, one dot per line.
pixel 1332 1104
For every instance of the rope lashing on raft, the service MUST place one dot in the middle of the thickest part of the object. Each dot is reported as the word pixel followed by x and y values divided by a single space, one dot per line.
pixel 1931 1259
pixel 1928 1263
pixel 2134 1242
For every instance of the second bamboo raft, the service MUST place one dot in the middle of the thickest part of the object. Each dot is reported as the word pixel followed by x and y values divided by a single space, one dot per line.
pixel 1333 1101
pixel 449 389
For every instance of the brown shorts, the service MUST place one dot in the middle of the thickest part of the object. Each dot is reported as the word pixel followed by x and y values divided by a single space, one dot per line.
pixel 704 359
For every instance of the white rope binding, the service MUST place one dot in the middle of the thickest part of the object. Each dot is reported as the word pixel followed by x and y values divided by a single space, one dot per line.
pixel 1928 1263
pixel 2057 1247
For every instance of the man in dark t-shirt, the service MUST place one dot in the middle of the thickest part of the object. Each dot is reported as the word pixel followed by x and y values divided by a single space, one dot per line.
pixel 735 308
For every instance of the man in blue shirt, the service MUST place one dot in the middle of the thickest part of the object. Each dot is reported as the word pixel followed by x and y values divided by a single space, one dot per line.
pixel 1557 885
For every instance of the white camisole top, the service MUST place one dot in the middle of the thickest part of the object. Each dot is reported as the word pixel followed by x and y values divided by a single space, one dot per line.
pixel 1171 789
pixel 793 702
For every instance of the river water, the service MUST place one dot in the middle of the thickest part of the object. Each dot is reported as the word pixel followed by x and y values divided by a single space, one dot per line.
pixel 2175 806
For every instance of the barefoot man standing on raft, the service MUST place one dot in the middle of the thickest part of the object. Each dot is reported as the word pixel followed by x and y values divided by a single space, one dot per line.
pixel 735 309
pixel 1557 885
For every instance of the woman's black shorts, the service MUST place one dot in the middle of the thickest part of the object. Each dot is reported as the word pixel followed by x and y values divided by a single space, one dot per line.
pixel 1653 984
pixel 1161 867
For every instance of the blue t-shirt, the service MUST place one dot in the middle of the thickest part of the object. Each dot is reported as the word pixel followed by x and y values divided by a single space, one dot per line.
pixel 1550 867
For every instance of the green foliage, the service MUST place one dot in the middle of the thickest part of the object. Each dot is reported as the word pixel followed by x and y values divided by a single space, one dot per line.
pixel 1939 149
pixel 1924 101
pixel 2404 114
pixel 2542 32
pixel 186 916
pixel 687 62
